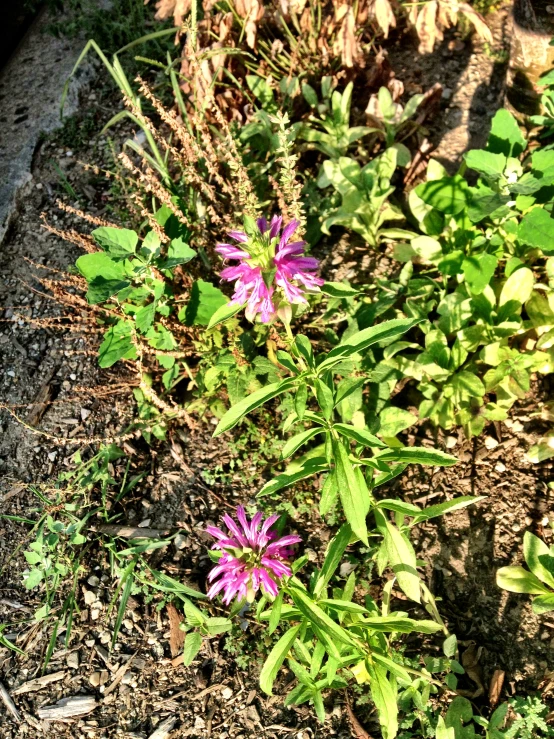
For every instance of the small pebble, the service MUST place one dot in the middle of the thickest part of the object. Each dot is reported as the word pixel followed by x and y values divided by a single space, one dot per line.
pixel 85 413
pixel 490 442
pixel 227 693
pixel 499 467
pixel 73 660
pixel 93 581
pixel 451 442
pixel 90 597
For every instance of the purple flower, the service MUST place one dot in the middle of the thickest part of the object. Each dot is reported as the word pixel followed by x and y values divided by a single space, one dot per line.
pixel 273 272
pixel 252 557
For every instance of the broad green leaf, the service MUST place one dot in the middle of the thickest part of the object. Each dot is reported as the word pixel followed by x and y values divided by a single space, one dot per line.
pixel 251 402
pixel 104 276
pixel 193 644
pixel 402 560
pixel 295 442
pixel 467 383
pixel 478 271
pixel 447 507
pixel 117 344
pixel 365 338
pixel 444 732
pixel 276 658
pixel 178 252
pixel 450 645
pixel 311 467
pixel 336 549
pixel 218 625
pixel 339 290
pixel 418 455
pixel 543 604
pixel 205 300
pixel 361 436
pixel 319 618
pixel 354 498
pixel 144 317
pixel 537 230
pixel 487 163
pixel 448 194
pixel 537 557
pixel 393 420
pixel 506 137
pixel 223 313
pixel 518 287
pixel 120 243
pixel 519 580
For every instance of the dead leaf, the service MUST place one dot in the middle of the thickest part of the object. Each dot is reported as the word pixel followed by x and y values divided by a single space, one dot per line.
pixel 481 28
pixel 176 634
pixel 176 8
pixel 495 687
pixel 426 27
pixel 383 14
pixel 346 43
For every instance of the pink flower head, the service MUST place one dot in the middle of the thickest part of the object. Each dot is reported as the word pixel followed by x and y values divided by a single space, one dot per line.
pixel 252 557
pixel 272 273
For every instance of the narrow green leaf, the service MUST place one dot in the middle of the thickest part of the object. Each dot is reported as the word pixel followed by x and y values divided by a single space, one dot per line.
pixel 355 500
pixel 251 402
pixel 339 290
pixel 329 493
pixel 276 658
pixel 225 312
pixel 310 467
pixel 361 436
pixel 418 455
pixel 402 559
pixel 336 549
pixel 319 618
pixel 295 442
pixel 275 614
pixel 447 507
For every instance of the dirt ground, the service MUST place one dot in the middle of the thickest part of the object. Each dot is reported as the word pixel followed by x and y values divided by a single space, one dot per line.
pixel 190 483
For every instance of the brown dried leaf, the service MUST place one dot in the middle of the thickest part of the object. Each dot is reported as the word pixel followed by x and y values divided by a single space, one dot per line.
pixel 383 14
pixel 495 687
pixel 481 28
pixel 176 634
pixel 177 8
pixel 426 27
pixel 346 43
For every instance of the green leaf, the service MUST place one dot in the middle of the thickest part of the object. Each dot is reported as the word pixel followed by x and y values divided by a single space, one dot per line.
pixel 329 493
pixel 144 317
pixel 319 618
pixel 467 383
pixel 519 286
pixel 537 556
pixel 450 645
pixel 543 604
pixel 354 498
pixel 276 658
pixel 361 436
pixel 120 243
pixel 117 344
pixel 193 644
pixel 418 455
pixel 402 559
pixel 251 402
pixel 537 230
pixel 506 137
pixel 366 338
pixel 104 276
pixel 310 467
pixel 218 625
pixel 487 163
pixel 385 699
pixel 448 194
pixel 393 420
pixel 178 252
pixel 478 271
pixel 204 301
pixel 295 442
pixel 339 290
pixel 336 549
pixel 447 507
pixel 519 580
pixel 223 313
pixel 275 615
pixel 401 625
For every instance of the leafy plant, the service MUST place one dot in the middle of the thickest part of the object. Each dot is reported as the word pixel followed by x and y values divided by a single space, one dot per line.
pixel 538 580
pixel 391 121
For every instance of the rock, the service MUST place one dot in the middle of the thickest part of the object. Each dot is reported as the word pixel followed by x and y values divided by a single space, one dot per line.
pixel 94 679
pixel 499 467
pixel 490 442
pixel 93 581
pixel 90 597
pixel 85 413
pixel 451 442
pixel 73 660
pixel 227 693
